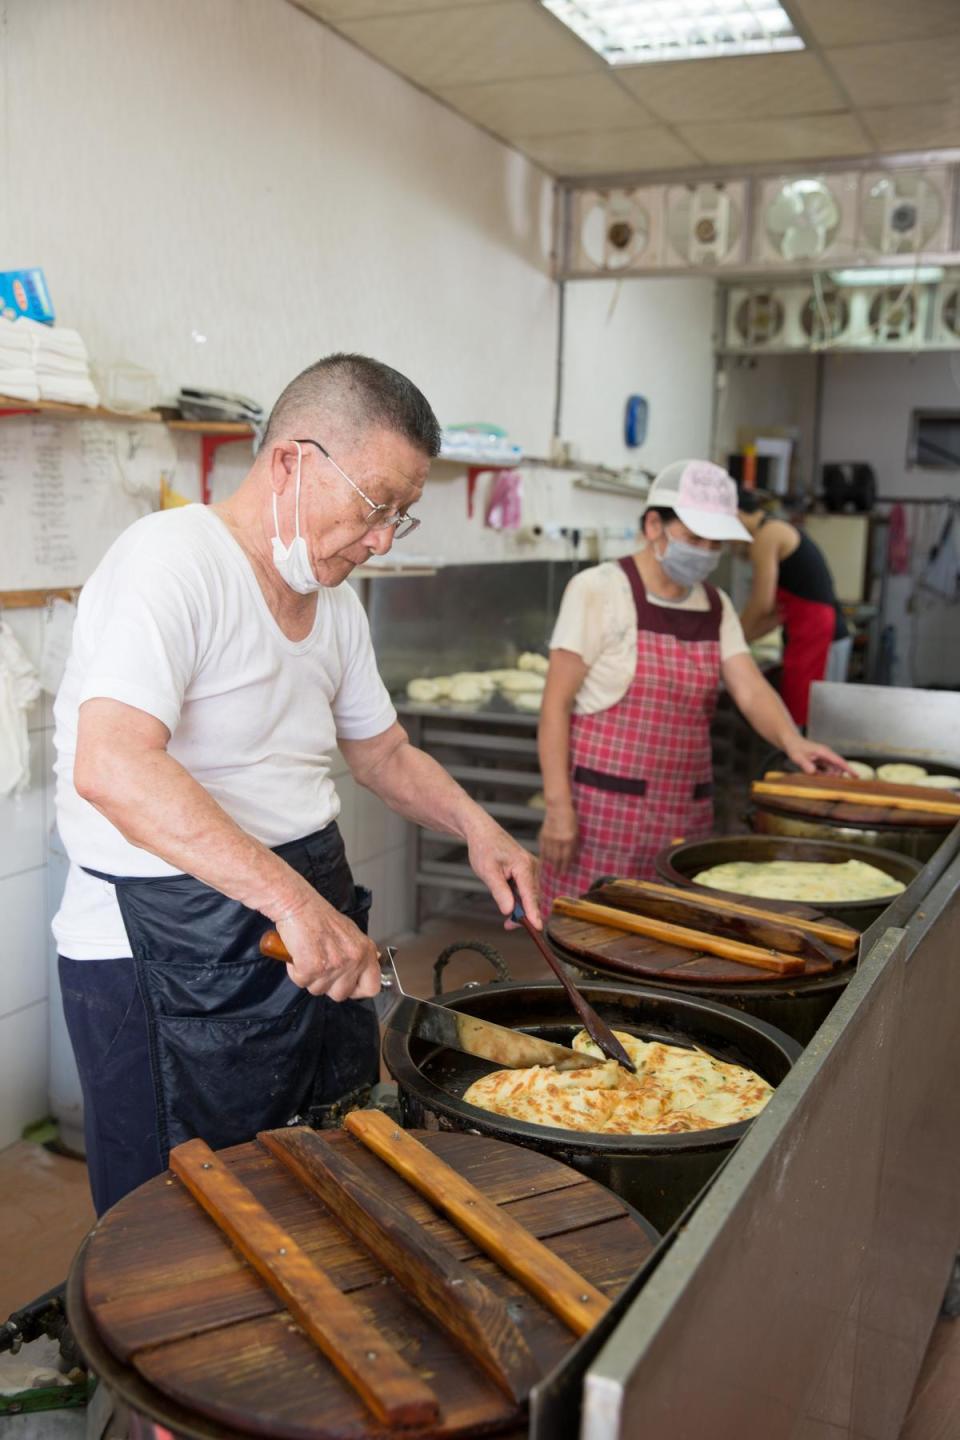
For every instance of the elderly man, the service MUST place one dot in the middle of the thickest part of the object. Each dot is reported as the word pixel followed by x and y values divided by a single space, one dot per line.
pixel 217 660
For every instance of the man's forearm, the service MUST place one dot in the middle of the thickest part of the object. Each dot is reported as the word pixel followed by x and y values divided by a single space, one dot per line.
pixel 155 804
pixel 413 784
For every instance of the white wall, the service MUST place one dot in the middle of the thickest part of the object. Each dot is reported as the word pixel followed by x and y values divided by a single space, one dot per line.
pixel 867 403
pixel 234 169
pixel 24 845
pixel 777 392
pixel 649 337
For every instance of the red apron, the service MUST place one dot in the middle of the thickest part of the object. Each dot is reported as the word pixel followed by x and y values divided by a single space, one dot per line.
pixel 641 771
pixel 809 628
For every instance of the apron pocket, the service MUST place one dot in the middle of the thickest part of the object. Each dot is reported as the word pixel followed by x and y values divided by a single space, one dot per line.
pixel 216 1071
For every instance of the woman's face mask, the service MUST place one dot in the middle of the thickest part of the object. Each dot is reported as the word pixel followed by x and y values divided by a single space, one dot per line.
pixel 292 562
pixel 687 564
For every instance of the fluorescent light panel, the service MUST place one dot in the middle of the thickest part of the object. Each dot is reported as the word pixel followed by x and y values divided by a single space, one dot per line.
pixel 889 275
pixel 637 32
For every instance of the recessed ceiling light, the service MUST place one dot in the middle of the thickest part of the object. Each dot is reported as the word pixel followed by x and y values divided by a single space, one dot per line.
pixel 635 32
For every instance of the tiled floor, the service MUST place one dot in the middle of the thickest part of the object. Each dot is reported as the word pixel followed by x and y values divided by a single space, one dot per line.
pixel 45 1207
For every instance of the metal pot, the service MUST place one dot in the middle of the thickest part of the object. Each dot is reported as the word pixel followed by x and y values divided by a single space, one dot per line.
pixel 798 1007
pixel 917 841
pixel 678 864
pixel 658 1174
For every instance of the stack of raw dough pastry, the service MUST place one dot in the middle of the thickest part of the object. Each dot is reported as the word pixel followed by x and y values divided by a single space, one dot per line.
pixel 522 685
pixel 904 774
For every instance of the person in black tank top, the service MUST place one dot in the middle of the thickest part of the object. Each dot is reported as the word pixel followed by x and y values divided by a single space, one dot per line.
pixel 792 587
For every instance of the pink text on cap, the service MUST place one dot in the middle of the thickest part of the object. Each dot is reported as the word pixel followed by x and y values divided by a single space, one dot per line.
pixel 706 487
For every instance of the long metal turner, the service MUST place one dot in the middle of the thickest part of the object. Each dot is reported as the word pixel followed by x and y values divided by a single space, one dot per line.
pixel 598 1030
pixel 439 1024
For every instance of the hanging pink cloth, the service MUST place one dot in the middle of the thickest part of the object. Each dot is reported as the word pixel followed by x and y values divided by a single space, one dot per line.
pixel 898 542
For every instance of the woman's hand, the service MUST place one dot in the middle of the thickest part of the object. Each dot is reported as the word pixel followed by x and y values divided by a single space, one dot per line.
pixel 814 759
pixel 558 836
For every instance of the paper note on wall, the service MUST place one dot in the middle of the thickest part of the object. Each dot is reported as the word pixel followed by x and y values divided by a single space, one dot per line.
pixel 57 639
pixel 68 489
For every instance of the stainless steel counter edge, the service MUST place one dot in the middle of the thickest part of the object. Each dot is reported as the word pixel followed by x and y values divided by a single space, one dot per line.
pixel 606 1409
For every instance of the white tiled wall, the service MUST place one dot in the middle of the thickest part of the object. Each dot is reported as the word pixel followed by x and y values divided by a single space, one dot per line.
pixel 24 822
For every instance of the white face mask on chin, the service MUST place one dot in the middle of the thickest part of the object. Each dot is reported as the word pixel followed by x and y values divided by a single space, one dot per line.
pixel 292 562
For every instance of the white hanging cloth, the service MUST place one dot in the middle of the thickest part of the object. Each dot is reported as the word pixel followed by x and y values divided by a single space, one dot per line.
pixel 19 688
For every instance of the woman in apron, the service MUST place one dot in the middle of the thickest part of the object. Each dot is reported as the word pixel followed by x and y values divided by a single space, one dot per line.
pixel 792 587
pixel 637 657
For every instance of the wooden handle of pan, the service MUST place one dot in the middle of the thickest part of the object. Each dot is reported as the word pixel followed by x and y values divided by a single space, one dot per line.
pixel 833 932
pixel 847 793
pixel 273 948
pixel 680 935
pixel 538 1269
pixel 377 1372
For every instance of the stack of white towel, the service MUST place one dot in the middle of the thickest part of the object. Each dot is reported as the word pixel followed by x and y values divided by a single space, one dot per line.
pixel 18 374
pixel 44 362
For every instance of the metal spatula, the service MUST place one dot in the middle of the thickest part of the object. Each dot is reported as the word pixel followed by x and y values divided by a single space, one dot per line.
pixel 598 1030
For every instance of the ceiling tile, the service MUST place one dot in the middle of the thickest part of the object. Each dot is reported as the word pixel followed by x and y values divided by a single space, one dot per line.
pixel 609 152
pixel 547 107
pixel 734 88
pixel 803 137
pixel 921 71
pixel 914 127
pixel 336 10
pixel 860 22
pixel 507 41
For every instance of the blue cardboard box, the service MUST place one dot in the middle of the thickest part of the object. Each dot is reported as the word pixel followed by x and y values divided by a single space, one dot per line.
pixel 24 292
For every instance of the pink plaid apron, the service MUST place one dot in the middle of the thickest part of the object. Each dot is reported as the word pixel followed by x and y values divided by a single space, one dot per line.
pixel 641 770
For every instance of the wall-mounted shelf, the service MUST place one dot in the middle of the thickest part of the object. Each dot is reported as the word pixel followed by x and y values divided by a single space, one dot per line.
pixel 10 405
pixel 213 433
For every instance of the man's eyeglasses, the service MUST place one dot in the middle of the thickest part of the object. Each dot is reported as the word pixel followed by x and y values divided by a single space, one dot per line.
pixel 381 517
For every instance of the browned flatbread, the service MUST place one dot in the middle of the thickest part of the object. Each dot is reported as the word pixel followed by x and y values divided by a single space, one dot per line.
pixel 674 1090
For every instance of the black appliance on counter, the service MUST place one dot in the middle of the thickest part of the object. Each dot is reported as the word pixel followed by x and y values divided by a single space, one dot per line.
pixel 849 487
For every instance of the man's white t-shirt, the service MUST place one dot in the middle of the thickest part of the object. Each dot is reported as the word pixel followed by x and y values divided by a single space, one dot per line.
pixel 174 623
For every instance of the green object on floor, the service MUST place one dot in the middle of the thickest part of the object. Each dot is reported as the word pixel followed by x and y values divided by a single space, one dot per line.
pixel 48 1397
pixel 41 1132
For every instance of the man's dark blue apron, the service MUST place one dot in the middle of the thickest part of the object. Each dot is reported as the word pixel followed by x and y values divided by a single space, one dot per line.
pixel 232 1045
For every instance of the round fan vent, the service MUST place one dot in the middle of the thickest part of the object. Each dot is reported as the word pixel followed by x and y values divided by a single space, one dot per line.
pixel 615 230
pixel 825 319
pixel 950 313
pixel 703 223
pixel 758 319
pixel 893 314
pixel 901 212
pixel 802 219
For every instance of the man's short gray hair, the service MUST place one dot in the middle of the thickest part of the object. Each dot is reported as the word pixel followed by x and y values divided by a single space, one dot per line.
pixel 359 393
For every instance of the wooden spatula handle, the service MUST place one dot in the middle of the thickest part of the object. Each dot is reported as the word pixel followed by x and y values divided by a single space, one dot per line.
pixel 273 947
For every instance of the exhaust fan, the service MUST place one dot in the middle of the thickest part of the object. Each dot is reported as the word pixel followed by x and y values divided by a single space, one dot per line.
pixel 704 222
pixel 903 211
pixel 824 316
pixel 615 230
pixel 757 320
pixel 802 220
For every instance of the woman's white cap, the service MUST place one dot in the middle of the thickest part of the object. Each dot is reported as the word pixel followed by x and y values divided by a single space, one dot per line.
pixel 703 496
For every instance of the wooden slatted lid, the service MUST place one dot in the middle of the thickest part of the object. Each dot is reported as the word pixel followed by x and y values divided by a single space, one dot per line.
pixel 174 1300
